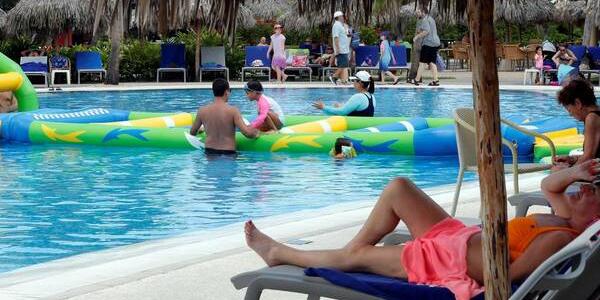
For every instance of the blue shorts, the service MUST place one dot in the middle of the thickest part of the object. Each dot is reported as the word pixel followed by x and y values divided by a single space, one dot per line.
pixel 341 60
pixel 384 65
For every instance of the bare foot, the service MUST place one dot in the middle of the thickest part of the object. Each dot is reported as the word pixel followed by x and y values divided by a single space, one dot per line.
pixel 284 78
pixel 261 243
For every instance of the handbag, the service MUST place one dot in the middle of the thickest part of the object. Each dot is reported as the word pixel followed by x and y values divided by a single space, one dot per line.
pixel 299 60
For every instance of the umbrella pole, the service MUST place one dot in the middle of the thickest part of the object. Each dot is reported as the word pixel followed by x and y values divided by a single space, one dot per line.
pixel 489 148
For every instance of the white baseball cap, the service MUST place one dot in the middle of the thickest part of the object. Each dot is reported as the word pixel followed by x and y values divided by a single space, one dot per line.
pixel 363 76
pixel 337 14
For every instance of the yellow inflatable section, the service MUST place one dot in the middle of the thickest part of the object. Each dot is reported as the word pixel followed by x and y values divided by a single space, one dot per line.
pixel 178 120
pixel 332 124
pixel 10 81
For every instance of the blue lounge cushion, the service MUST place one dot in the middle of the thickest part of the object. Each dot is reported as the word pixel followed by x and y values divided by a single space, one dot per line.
pixel 34 67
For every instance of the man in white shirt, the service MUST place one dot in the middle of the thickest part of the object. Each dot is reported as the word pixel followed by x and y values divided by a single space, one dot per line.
pixel 341 48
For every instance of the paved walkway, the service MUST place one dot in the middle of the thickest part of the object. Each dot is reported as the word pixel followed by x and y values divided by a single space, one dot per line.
pixel 199 265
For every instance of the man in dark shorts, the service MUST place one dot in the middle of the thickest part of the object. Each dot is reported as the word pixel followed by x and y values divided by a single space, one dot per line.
pixel 341 48
pixel 427 30
pixel 219 121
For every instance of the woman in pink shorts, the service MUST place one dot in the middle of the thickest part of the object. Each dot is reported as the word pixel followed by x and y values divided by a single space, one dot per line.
pixel 278 63
pixel 444 251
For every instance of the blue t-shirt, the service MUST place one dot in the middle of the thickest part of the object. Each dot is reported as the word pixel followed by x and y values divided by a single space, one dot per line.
pixel 357 102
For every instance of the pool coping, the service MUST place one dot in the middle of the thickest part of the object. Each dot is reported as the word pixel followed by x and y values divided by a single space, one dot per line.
pixel 239 85
pixel 94 271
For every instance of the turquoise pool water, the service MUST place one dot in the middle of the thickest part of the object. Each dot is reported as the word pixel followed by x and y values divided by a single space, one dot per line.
pixel 57 201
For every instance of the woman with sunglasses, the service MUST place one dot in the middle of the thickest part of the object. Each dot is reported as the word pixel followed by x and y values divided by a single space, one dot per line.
pixel 444 251
pixel 361 104
pixel 278 63
pixel 564 56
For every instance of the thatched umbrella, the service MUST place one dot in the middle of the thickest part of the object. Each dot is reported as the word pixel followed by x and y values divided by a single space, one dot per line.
pixel 522 12
pixel 2 20
pixel 50 17
pixel 571 11
pixel 593 12
pixel 270 9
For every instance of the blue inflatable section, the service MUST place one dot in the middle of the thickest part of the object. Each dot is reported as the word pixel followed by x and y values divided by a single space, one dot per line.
pixel 408 125
pixel 525 142
pixel 440 141
pixel 15 126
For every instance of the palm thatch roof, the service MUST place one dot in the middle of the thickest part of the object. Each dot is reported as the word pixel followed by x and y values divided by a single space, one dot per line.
pixel 523 11
pixel 570 11
pixel 2 20
pixel 270 9
pixel 593 12
pixel 50 17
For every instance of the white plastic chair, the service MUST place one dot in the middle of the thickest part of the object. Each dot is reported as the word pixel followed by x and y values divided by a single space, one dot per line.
pixel 464 119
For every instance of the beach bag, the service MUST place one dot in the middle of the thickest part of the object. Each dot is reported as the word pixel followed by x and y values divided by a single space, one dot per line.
pixel 299 60
pixel 441 66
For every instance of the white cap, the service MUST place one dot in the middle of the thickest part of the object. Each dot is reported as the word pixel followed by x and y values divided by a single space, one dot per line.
pixel 337 14
pixel 362 76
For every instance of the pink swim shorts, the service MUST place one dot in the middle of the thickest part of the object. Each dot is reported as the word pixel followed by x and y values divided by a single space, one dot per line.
pixel 439 257
pixel 279 61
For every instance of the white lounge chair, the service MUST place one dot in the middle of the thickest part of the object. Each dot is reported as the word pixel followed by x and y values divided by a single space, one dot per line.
pixel 464 119
pixel 35 66
pixel 213 60
pixel 570 271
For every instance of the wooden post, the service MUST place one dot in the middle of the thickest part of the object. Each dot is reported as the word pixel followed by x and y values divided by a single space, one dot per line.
pixel 489 148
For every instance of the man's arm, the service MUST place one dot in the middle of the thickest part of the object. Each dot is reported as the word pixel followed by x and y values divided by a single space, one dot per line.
pixel 555 59
pixel 197 124
pixel 247 131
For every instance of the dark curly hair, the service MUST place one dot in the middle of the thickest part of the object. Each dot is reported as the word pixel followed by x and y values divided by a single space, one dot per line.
pixel 577 89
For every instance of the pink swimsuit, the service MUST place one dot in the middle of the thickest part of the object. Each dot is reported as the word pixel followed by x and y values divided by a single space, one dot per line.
pixel 439 257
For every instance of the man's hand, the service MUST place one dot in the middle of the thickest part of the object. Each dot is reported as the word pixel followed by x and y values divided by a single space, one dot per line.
pixel 587 171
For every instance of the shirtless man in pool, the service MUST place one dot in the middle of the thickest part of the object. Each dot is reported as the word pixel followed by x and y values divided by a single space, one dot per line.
pixel 220 120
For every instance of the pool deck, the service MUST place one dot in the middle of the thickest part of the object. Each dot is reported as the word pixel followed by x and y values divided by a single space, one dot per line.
pixel 199 265
pixel 458 79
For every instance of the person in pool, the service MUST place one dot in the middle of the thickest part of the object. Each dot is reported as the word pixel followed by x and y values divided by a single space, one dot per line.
pixel 270 115
pixel 343 149
pixel 578 98
pixel 8 102
pixel 443 245
pixel 219 120
pixel 361 104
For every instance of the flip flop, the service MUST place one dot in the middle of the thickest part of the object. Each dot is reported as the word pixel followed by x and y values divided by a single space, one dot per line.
pixel 396 81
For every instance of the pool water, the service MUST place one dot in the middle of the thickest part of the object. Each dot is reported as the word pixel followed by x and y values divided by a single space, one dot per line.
pixel 59 200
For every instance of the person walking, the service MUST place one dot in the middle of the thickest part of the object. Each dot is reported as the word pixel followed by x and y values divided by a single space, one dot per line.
pixel 341 48
pixel 431 43
pixel 277 45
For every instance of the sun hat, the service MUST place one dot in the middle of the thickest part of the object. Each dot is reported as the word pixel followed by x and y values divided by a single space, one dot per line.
pixel 337 14
pixel 363 76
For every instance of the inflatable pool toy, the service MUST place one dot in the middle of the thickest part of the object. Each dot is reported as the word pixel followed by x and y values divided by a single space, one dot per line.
pixel 305 134
pixel 13 79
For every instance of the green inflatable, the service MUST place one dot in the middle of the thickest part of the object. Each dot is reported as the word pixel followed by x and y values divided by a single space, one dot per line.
pixel 25 93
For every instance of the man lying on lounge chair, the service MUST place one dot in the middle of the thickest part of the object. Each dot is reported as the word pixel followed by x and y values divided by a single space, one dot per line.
pixel 444 251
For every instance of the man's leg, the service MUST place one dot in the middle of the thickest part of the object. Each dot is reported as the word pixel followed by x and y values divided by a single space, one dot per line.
pixel 434 71
pixel 422 67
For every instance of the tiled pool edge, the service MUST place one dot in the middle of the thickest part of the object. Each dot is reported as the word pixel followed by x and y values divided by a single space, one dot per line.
pixel 206 85
pixel 100 270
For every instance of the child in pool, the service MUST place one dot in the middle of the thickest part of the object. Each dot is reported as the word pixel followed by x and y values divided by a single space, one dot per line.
pixel 343 149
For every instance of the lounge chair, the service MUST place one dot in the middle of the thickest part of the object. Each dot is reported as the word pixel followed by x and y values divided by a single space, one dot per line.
pixel 257 53
pixel 213 60
pixel 464 120
pixel 59 64
pixel 88 62
pixel 595 62
pixel 290 53
pixel 572 270
pixel 172 59
pixel 367 58
pixel 579 51
pixel 35 66
pixel 400 57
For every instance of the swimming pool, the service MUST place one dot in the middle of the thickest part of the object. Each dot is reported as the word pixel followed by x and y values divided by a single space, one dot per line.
pixel 57 201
